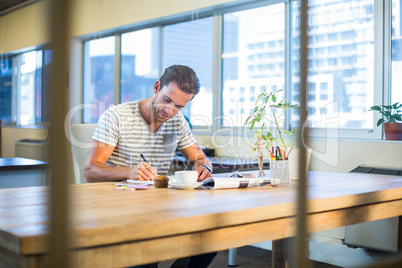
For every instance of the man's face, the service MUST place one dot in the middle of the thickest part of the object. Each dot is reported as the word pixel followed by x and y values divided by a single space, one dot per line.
pixel 168 101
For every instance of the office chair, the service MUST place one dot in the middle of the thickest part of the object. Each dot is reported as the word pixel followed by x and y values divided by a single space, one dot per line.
pixel 81 136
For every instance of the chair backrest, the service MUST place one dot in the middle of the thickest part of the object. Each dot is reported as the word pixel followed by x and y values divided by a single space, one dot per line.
pixel 81 136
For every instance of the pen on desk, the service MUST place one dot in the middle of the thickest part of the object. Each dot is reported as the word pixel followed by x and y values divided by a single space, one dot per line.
pixel 143 158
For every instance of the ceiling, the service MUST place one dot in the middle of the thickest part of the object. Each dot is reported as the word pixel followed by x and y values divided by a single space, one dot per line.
pixel 7 4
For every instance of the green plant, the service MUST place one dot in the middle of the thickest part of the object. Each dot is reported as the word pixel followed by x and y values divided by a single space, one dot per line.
pixel 267 102
pixel 391 113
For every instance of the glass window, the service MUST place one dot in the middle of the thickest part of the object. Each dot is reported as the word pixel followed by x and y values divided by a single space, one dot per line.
pixel 45 99
pixel 22 96
pixel 28 87
pixel 347 78
pixel 191 43
pixel 98 77
pixel 396 52
pixel 243 32
pixel 38 87
pixel 139 64
pixel 6 77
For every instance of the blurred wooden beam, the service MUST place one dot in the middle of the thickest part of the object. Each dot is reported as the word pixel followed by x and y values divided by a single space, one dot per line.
pixel 59 96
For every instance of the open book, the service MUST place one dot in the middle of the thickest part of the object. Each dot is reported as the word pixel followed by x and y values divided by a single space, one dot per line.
pixel 230 183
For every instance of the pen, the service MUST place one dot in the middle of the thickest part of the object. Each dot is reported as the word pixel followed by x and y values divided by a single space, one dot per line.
pixel 280 153
pixel 143 158
pixel 289 153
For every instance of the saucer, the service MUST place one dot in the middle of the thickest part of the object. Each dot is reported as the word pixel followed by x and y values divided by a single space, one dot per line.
pixel 186 187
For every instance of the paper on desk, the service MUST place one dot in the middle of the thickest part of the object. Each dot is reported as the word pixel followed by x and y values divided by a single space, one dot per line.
pixel 141 182
pixel 231 183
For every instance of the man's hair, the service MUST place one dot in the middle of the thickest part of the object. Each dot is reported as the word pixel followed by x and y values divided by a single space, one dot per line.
pixel 183 76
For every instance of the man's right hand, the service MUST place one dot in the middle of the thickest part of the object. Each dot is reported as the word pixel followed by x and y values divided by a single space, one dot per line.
pixel 144 172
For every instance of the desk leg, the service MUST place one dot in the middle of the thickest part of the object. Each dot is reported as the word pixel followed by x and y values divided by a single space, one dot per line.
pixel 280 253
pixel 399 234
pixel 232 262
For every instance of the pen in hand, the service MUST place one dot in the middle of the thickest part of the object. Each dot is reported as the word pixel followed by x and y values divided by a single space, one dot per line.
pixel 154 171
pixel 143 158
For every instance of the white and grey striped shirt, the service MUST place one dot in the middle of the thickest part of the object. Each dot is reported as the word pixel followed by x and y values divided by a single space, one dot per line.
pixel 122 126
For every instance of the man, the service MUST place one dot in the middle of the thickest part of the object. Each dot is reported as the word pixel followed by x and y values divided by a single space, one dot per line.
pixel 153 127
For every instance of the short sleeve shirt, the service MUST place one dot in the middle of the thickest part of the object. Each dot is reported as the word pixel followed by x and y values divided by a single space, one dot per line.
pixel 123 126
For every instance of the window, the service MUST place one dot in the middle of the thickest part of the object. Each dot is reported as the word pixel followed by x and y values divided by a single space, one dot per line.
pixel 396 52
pixel 191 43
pixel 340 68
pixel 244 35
pixel 139 64
pixel 6 77
pixel 22 88
pixel 354 48
pixel 30 64
pixel 98 77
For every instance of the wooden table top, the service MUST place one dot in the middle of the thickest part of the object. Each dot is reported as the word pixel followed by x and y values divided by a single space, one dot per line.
pixel 16 163
pixel 102 215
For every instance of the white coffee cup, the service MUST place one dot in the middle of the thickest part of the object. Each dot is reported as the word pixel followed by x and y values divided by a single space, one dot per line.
pixel 185 177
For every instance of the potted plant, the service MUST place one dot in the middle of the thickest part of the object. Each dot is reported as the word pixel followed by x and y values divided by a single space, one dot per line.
pixel 392 116
pixel 267 113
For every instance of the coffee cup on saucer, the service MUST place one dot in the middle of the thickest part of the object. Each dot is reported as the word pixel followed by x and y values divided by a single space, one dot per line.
pixel 185 177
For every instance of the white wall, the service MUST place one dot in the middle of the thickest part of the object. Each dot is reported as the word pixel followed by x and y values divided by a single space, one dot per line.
pixel 94 16
pixel 24 28
pixel 29 26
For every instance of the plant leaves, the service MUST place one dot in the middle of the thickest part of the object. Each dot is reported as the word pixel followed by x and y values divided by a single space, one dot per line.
pixel 252 125
pixel 375 108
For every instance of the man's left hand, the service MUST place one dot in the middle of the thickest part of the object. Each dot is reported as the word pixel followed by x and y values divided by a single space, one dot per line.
pixel 203 173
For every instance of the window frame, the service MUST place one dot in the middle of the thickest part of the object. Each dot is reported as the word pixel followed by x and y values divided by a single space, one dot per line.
pixel 382 61
pixel 16 89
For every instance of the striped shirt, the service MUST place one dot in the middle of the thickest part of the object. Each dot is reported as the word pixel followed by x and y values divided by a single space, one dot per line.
pixel 124 127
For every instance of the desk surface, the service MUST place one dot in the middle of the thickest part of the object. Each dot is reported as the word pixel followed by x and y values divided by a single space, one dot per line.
pixel 14 163
pixel 161 224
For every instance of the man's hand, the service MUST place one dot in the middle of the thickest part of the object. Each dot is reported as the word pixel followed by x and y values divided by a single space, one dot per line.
pixel 144 172
pixel 203 173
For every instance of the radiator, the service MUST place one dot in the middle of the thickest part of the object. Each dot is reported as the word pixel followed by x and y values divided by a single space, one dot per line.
pixel 32 149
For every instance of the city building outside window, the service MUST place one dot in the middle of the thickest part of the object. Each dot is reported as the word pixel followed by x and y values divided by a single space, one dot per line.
pixel 256 53
pixel 22 90
pixel 98 77
pixel 396 52
pixel 139 64
pixel 343 38
pixel 6 87
pixel 248 37
pixel 191 43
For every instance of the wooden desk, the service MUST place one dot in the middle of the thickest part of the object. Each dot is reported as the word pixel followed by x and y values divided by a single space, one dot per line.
pixel 122 228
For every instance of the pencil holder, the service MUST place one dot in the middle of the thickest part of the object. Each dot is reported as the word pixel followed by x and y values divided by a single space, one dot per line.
pixel 280 170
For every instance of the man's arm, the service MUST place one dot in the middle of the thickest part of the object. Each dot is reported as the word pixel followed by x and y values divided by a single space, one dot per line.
pixel 95 169
pixel 196 157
